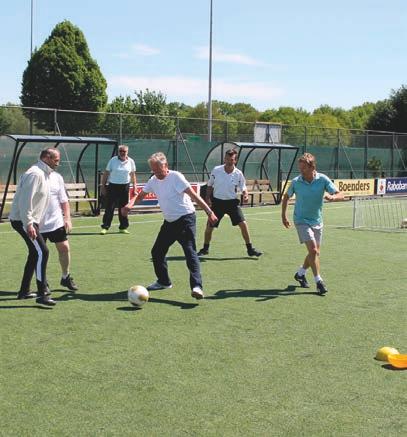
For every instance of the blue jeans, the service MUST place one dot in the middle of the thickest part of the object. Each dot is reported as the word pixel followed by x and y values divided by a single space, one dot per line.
pixel 182 230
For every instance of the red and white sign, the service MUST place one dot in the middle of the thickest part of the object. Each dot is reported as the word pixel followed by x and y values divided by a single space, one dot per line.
pixel 151 199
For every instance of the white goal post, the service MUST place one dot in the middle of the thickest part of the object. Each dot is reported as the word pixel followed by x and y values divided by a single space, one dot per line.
pixel 380 213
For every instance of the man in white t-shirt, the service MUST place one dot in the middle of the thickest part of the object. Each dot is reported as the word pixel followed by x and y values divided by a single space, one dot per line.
pixel 56 224
pixel 174 194
pixel 120 171
pixel 224 183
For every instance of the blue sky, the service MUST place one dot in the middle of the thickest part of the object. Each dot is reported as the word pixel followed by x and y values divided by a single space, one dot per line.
pixel 267 53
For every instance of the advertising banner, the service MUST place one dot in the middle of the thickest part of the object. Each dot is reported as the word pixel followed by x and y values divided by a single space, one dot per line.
pixel 151 199
pixel 394 186
pixel 355 187
pixel 381 186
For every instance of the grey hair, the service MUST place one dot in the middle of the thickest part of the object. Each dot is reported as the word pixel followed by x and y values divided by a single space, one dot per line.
pixel 158 157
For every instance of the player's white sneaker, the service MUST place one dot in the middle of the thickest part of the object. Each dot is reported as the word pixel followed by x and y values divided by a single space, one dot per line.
pixel 157 286
pixel 197 293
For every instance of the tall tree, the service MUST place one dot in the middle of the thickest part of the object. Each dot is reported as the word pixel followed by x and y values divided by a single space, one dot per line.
pixel 382 117
pixel 5 121
pixel 359 116
pixel 391 114
pixel 62 74
pixel 399 103
pixel 153 103
pixel 120 117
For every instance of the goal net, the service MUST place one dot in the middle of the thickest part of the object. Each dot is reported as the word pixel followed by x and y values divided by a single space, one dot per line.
pixel 380 213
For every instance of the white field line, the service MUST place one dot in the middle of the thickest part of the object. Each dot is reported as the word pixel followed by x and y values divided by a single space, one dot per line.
pixel 253 215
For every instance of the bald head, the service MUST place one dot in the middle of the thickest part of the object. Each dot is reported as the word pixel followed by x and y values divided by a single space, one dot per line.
pixel 51 157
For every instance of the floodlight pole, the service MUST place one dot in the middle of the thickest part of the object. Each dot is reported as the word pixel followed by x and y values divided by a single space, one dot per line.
pixel 210 78
pixel 31 54
pixel 31 41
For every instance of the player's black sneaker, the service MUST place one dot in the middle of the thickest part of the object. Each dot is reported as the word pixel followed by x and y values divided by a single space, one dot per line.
pixel 253 252
pixel 302 280
pixel 26 295
pixel 321 288
pixel 69 283
pixel 157 286
pixel 45 300
pixel 203 252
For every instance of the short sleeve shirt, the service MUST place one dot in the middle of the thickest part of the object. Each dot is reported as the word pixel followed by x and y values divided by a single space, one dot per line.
pixel 120 170
pixel 226 185
pixel 309 198
pixel 170 192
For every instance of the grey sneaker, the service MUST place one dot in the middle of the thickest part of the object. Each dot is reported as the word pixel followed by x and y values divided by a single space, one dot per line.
pixel 157 286
pixel 197 293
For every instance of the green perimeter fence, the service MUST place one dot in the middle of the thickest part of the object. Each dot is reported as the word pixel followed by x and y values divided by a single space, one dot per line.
pixel 340 153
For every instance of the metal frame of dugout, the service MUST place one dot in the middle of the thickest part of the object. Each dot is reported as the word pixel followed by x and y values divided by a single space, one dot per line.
pixel 22 140
pixel 266 148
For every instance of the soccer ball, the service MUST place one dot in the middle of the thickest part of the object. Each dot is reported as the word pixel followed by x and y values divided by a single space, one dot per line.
pixel 403 224
pixel 138 295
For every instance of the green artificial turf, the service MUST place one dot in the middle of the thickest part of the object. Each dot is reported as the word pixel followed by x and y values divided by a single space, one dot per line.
pixel 257 357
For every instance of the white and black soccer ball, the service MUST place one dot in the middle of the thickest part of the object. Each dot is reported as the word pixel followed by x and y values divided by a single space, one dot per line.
pixel 138 295
pixel 403 224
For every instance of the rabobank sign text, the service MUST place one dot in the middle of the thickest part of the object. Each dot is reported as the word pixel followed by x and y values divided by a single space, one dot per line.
pixel 396 185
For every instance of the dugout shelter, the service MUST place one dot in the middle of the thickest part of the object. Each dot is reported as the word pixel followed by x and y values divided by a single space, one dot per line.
pixel 80 157
pixel 259 161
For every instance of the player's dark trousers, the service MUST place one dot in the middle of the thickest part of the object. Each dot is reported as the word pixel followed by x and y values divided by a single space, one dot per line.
pixel 117 196
pixel 36 261
pixel 182 230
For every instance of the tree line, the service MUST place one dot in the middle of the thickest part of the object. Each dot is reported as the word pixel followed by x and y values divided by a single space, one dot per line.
pixel 62 74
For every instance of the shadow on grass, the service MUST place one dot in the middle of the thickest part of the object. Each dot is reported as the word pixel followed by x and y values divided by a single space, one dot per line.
pixel 8 293
pixel 80 234
pixel 14 298
pixel 121 296
pixel 263 295
pixel 19 307
pixel 390 367
pixel 208 258
pixel 182 258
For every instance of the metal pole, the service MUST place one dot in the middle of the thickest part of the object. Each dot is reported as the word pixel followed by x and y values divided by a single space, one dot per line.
pixel 31 43
pixel 210 78
pixel 365 154
pixel 393 144
pixel 31 54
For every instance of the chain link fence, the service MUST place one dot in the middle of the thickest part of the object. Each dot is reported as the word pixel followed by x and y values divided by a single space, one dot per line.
pixel 340 153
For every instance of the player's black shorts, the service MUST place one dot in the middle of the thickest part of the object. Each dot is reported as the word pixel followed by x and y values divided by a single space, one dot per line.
pixel 57 236
pixel 230 207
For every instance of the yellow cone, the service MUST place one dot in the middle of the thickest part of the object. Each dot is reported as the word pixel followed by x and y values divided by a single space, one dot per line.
pixel 384 352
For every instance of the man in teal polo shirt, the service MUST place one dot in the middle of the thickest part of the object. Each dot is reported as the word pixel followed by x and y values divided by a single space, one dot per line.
pixel 310 189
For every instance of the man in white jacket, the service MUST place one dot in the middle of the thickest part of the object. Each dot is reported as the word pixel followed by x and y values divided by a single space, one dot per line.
pixel 29 205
